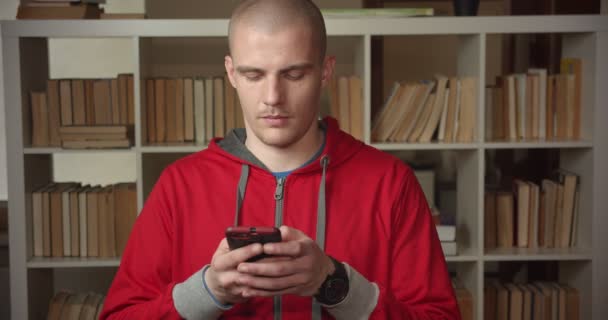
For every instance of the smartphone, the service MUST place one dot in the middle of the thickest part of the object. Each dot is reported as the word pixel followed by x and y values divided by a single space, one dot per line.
pixel 238 237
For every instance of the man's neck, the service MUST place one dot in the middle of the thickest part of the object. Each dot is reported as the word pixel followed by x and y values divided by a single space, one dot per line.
pixel 288 158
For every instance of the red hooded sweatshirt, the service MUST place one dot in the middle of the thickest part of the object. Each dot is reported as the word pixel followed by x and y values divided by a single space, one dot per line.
pixel 377 221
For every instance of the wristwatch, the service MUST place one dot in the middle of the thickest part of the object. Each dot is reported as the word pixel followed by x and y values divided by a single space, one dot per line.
pixel 335 287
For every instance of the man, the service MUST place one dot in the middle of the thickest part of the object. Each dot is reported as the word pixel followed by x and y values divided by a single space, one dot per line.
pixel 358 240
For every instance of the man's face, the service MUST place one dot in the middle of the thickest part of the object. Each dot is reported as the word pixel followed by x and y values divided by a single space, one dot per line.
pixel 278 77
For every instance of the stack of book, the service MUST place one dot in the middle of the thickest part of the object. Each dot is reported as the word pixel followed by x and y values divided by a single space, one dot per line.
pixel 346 104
pixel 447 236
pixel 535 105
pixel 80 102
pixel 178 110
pixel 75 306
pixel 538 300
pixel 533 215
pixel 60 9
pixel 98 137
pixel 71 220
pixel 418 111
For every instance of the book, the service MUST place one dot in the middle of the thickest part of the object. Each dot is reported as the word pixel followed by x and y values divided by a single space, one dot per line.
pixel 343 104
pixel 40 115
pixel 199 110
pixel 75 11
pixel 218 107
pixel 355 90
pixel 171 110
pixel 504 218
pixel 159 110
pixel 446 233
pixel 150 111
pixel 189 109
pixel 96 144
pixel 377 13
pixel 179 110
pixel 449 248
pixel 522 194
pixel 490 231
pixel 54 112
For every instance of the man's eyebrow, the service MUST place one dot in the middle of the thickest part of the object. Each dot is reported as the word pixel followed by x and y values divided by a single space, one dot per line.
pixel 299 66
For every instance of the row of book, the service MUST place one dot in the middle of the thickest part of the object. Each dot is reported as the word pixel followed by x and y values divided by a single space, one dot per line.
pixel 190 109
pixel 418 111
pixel 75 306
pixel 524 301
pixel 96 137
pixel 533 215
pixel 346 103
pixel 74 220
pixel 535 105
pixel 80 102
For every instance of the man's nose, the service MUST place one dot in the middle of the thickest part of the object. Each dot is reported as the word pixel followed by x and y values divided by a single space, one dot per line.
pixel 273 91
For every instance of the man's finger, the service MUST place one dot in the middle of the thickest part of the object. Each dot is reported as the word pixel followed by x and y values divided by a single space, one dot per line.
pixel 273 284
pixel 291 234
pixel 288 248
pixel 273 268
pixel 231 259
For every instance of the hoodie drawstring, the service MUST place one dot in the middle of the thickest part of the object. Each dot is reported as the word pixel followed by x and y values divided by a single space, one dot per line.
pixel 321 222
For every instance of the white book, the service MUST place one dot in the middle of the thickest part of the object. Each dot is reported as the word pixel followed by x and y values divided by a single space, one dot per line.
pixel 82 217
pixel 199 110
pixel 446 233
pixel 542 101
pixel 449 248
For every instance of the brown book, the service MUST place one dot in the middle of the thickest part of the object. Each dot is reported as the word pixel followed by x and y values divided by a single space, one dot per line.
pixel 464 299
pixel 123 97
pixel 229 108
pixel 240 120
pixel 93 137
pixel 73 307
pixel 93 197
pixel 56 206
pixel 102 101
pixel 529 106
pixel 38 220
pixel 99 308
pixel 489 301
pixel 218 107
pixel 199 110
pixel 54 112
pixel 96 144
pixel 551 102
pixel 515 302
pixel 113 16
pixel 355 90
pixel 160 113
pixel 498 123
pixel 46 221
pixel 504 218
pixel 150 111
pixel 89 101
pixel 115 101
pixel 188 109
pixel 572 303
pixel 389 132
pixel 533 217
pixel 381 119
pixel 90 306
pixel 65 101
pixel 209 110
pixel 438 106
pixel 82 220
pixel 527 302
pixel 344 103
pixel 130 100
pixel 542 220
pixel 502 302
pixel 561 113
pixel 569 182
pixel 78 102
pixel 75 221
pixel 550 189
pixel 56 305
pixel 423 119
pixel 468 106
pixel 40 119
pixel 75 11
pixel 522 194
pixel 538 297
pixel 490 231
pixel 179 110
pixel 125 206
pixel 171 110
pixel 101 129
pixel 559 215
pixel 423 91
pixel 573 66
pixel 451 115
pixel 107 222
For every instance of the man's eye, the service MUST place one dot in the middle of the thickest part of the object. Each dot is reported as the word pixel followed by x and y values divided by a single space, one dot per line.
pixel 252 76
pixel 294 75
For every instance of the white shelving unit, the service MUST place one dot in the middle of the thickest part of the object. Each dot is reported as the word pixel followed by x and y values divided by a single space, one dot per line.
pixel 169 48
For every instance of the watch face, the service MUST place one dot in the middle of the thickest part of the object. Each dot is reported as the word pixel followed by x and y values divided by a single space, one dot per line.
pixel 336 290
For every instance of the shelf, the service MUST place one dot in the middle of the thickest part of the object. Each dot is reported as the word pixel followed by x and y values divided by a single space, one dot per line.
pixel 335 26
pixel 538 144
pixel 173 148
pixel 425 146
pixel 64 151
pixel 72 262
pixel 461 258
pixel 538 254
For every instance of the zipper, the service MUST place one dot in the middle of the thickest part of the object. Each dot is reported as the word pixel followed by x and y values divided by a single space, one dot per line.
pixel 278 198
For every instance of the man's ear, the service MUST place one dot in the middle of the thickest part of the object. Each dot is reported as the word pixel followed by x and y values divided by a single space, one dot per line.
pixel 328 69
pixel 229 69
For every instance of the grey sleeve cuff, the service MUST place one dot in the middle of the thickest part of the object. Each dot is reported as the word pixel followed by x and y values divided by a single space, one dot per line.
pixel 361 300
pixel 192 301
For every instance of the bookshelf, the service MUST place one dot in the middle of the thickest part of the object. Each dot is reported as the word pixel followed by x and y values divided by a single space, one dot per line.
pixel 163 48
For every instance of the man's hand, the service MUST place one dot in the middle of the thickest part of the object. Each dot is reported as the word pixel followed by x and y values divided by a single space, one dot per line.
pixel 222 276
pixel 301 274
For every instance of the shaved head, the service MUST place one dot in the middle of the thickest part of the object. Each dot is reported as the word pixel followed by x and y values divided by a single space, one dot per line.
pixel 270 16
